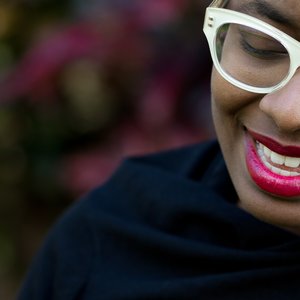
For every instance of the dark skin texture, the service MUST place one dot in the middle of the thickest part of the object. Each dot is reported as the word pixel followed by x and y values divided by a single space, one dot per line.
pixel 275 115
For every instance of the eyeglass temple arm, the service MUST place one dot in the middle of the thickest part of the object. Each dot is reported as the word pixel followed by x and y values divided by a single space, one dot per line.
pixel 219 3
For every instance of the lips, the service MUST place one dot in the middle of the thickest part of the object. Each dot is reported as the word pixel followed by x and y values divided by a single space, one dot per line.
pixel 273 167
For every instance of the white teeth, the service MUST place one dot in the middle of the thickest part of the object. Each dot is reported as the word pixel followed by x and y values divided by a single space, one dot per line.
pixel 285 173
pixel 292 162
pixel 277 158
pixel 267 151
pixel 295 174
pixel 276 170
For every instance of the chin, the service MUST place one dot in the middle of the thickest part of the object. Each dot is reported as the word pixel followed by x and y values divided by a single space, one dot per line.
pixel 277 210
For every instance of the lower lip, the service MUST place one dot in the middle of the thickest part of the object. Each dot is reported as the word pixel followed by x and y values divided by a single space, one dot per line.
pixel 267 180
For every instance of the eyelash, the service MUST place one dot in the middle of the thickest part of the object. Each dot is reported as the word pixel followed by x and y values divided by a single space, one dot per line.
pixel 259 53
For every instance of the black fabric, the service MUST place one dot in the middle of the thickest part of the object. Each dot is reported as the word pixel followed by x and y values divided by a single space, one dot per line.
pixel 165 227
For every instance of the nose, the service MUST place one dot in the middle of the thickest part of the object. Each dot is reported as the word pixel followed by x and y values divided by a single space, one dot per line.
pixel 283 106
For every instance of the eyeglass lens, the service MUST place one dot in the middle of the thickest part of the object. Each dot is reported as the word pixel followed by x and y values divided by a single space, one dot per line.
pixel 251 56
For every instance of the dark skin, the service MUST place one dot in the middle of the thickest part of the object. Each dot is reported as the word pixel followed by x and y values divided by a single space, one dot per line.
pixel 275 115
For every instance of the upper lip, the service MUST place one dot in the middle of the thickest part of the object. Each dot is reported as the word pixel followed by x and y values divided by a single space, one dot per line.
pixel 286 150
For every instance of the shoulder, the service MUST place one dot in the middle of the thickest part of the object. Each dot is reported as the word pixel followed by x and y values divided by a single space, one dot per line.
pixel 154 170
pixel 150 172
pixel 157 173
pixel 141 201
pixel 138 185
pixel 146 187
pixel 62 265
pixel 182 160
pixel 139 182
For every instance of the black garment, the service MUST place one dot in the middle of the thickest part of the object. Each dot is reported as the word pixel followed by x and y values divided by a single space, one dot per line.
pixel 165 227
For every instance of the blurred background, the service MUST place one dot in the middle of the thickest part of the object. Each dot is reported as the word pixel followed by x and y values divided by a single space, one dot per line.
pixel 83 84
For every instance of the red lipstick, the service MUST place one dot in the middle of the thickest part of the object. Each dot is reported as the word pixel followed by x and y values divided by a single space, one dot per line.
pixel 279 185
pixel 275 146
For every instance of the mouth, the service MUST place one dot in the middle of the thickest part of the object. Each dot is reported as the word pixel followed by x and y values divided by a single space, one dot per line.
pixel 279 164
pixel 273 167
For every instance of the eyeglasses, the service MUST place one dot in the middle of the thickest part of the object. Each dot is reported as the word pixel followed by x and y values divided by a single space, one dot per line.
pixel 249 53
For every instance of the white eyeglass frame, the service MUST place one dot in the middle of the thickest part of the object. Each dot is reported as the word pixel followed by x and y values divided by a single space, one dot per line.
pixel 216 16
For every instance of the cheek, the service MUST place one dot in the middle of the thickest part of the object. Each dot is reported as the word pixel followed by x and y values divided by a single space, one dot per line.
pixel 226 98
pixel 224 107
pixel 232 108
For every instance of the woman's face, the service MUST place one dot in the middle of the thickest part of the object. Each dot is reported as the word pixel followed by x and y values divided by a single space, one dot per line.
pixel 255 128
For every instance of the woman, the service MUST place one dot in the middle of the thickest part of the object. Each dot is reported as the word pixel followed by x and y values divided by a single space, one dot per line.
pixel 172 225
pixel 258 123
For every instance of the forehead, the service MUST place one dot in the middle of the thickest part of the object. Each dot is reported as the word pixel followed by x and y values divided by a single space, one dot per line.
pixel 280 4
pixel 285 12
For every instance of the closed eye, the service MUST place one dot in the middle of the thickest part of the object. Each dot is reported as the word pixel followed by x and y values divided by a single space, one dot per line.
pixel 260 45
pixel 262 53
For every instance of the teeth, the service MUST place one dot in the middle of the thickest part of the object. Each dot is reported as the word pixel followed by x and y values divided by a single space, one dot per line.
pixel 295 174
pixel 292 162
pixel 277 158
pixel 285 173
pixel 276 170
pixel 267 151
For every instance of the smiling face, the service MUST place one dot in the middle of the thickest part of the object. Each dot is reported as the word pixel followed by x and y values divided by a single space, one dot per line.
pixel 260 133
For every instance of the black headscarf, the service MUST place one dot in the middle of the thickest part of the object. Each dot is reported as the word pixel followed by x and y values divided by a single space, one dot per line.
pixel 165 227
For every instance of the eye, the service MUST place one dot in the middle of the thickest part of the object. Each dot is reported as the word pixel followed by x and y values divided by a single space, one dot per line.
pixel 261 53
pixel 260 45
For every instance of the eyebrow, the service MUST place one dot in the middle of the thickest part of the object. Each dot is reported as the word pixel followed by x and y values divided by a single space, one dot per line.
pixel 264 9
